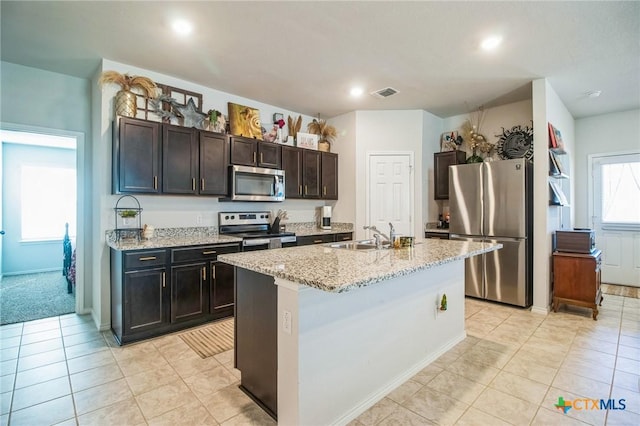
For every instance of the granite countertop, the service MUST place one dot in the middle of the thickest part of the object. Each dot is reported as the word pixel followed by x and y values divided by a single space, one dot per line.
pixel 171 237
pixel 311 228
pixel 338 270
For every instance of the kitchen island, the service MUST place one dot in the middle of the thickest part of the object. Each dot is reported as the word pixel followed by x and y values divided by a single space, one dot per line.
pixel 324 333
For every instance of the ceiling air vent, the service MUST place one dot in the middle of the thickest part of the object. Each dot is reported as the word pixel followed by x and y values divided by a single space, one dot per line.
pixel 384 93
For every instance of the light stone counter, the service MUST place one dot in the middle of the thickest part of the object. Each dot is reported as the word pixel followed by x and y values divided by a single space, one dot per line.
pixel 171 237
pixel 303 229
pixel 338 270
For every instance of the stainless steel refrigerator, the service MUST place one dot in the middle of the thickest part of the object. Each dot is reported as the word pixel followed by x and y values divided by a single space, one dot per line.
pixel 492 201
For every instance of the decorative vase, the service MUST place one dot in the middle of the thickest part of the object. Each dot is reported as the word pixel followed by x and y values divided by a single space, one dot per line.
pixel 474 158
pixel 324 146
pixel 126 103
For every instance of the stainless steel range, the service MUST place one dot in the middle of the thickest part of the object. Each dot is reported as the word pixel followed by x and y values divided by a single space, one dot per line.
pixel 255 230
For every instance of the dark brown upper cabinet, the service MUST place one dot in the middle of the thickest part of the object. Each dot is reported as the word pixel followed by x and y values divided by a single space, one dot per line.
pixel 252 152
pixel 214 164
pixel 441 163
pixel 153 158
pixel 310 173
pixel 136 156
pixel 292 166
pixel 329 175
pixel 179 160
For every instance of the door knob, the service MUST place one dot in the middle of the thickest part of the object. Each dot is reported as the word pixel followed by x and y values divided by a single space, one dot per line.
pixel 2 232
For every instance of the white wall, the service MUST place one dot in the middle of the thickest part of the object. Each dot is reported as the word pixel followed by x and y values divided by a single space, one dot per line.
pixel 344 209
pixel 432 128
pixel 34 99
pixel 608 133
pixel 388 131
pixel 547 107
pixel 20 257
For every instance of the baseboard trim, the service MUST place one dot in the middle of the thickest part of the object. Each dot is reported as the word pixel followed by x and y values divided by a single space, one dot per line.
pixel 540 311
pixel 36 271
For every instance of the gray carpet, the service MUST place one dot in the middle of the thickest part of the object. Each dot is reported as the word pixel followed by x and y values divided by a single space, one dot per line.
pixel 34 296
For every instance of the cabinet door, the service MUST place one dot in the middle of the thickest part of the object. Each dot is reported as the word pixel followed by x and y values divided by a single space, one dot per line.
pixel 144 300
pixel 214 164
pixel 189 292
pixel 329 164
pixel 222 276
pixel 441 163
pixel 292 166
pixel 244 151
pixel 311 173
pixel 269 155
pixel 179 160
pixel 136 157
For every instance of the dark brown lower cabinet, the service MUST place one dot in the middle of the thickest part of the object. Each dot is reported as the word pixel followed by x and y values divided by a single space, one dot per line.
pixel 158 291
pixel 323 238
pixel 189 291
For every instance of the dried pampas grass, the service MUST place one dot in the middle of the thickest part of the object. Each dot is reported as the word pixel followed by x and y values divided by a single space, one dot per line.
pixel 294 126
pixel 326 131
pixel 128 82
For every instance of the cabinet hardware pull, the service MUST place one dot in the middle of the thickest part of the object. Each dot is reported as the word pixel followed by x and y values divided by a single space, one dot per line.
pixel 254 157
pixel 142 259
pixel 306 191
pixel 155 182
pixel 164 282
pixel 204 273
pixel 201 184
pixel 261 158
pixel 209 252
pixel 300 190
pixel 345 238
pixel 193 184
pixel 213 272
pixel 317 241
pixel 324 190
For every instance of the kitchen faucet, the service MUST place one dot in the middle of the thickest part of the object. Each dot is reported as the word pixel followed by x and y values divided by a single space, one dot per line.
pixel 378 234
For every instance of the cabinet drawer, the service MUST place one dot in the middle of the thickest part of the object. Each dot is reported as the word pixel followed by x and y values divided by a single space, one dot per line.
pixel 144 259
pixel 345 236
pixel 437 235
pixel 315 239
pixel 201 253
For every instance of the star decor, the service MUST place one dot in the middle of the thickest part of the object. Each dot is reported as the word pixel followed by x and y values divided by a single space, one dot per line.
pixel 192 117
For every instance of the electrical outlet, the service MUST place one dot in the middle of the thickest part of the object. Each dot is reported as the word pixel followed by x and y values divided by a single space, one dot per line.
pixel 286 322
pixel 199 219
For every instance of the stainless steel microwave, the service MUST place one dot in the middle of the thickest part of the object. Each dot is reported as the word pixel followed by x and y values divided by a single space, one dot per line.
pixel 255 184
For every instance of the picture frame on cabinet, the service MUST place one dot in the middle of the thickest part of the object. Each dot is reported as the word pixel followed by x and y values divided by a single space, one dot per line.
pixel 308 140
pixel 450 141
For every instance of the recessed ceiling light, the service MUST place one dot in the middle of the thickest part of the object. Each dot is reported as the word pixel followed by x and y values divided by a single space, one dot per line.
pixel 356 91
pixel 182 27
pixel 490 43
pixel 593 93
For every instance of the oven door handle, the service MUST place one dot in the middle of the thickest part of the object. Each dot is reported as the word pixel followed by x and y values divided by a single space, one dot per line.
pixel 255 242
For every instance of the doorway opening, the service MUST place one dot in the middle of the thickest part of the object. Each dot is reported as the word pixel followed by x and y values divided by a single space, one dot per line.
pixel 40 199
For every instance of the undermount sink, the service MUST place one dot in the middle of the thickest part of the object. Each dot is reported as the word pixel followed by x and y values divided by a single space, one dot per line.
pixel 355 245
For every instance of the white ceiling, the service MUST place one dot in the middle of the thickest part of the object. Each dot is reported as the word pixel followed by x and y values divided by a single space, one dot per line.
pixel 305 56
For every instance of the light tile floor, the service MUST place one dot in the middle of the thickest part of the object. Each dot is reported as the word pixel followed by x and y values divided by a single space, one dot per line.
pixel 511 369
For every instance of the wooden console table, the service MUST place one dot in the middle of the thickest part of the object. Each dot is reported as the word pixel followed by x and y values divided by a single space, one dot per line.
pixel 576 280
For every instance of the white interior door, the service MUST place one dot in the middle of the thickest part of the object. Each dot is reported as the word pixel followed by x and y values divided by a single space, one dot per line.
pixel 616 216
pixel 390 192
